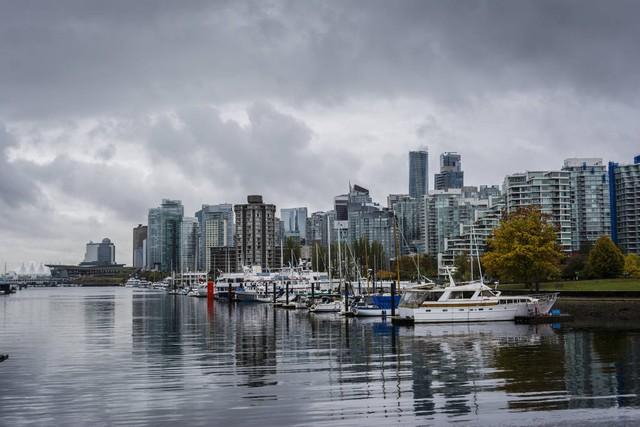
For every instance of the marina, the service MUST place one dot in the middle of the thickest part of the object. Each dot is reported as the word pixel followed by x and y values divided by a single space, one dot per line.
pixel 133 356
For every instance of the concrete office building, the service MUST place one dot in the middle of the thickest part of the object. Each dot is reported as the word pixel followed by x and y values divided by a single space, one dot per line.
pixel 255 233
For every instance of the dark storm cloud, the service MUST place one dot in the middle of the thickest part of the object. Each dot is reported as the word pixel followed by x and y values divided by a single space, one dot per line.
pixel 80 58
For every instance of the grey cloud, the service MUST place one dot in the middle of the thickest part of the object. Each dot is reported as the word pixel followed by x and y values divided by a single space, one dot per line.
pixel 16 186
pixel 272 148
pixel 93 57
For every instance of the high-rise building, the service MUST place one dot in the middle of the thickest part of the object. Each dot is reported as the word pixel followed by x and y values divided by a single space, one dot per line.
pixel 215 225
pixel 139 244
pixel 409 215
pixel 103 253
pixel 590 216
pixel 189 244
pixel 451 174
pixel 255 232
pixel 487 192
pixel 317 229
pixel 624 188
pixel 550 191
pixel 392 199
pixel 294 221
pixel 163 236
pixel 418 173
pixel 446 212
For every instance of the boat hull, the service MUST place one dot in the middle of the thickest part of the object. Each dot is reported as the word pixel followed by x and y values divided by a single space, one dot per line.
pixel 474 313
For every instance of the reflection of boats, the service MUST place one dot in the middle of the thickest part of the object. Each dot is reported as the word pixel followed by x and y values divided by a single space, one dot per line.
pixel 508 331
pixel 297 301
pixel 137 283
pixel 470 302
pixel 326 305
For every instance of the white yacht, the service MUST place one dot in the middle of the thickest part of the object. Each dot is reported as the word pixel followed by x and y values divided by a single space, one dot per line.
pixel 469 302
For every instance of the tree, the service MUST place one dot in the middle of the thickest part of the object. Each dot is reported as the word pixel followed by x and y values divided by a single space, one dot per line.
pixel 291 251
pixel 575 267
pixel 523 248
pixel 605 259
pixel 632 266
pixel 463 269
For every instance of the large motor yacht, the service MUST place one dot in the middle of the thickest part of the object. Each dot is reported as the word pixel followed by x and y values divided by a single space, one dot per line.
pixel 469 302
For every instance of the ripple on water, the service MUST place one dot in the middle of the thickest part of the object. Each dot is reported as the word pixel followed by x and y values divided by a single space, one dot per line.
pixel 114 356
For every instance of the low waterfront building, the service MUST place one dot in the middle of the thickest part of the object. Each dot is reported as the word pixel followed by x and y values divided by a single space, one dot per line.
pixel 624 185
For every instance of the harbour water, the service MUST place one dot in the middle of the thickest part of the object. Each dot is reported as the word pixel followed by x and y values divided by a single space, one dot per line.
pixel 111 356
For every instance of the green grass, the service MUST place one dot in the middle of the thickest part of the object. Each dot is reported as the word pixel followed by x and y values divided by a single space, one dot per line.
pixel 606 285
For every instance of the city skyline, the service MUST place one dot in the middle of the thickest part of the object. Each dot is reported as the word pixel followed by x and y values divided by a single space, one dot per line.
pixel 105 113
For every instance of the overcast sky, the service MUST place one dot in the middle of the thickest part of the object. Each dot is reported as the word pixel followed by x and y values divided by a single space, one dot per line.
pixel 107 107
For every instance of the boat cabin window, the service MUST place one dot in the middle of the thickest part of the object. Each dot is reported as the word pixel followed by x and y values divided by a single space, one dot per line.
pixel 486 293
pixel 461 294
pixel 413 299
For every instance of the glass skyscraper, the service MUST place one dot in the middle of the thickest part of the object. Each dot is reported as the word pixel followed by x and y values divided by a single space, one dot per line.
pixel 418 173
pixel 163 236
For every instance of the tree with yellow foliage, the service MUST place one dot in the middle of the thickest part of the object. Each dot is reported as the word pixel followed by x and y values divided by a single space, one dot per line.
pixel 523 248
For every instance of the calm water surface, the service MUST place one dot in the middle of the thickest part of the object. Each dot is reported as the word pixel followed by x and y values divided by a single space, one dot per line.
pixel 90 356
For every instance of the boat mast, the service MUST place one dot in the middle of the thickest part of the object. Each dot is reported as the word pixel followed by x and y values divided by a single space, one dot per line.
pixel 329 249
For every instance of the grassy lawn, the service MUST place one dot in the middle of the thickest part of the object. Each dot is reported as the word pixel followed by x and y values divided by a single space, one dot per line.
pixel 582 285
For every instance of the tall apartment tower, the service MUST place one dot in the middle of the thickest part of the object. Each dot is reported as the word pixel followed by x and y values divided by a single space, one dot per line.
pixel 550 191
pixel 139 245
pixel 624 189
pixel 451 174
pixel 163 236
pixel 418 173
pixel 215 224
pixel 590 217
pixel 255 233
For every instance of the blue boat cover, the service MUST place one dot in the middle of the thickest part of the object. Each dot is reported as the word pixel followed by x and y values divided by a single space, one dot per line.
pixel 384 301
